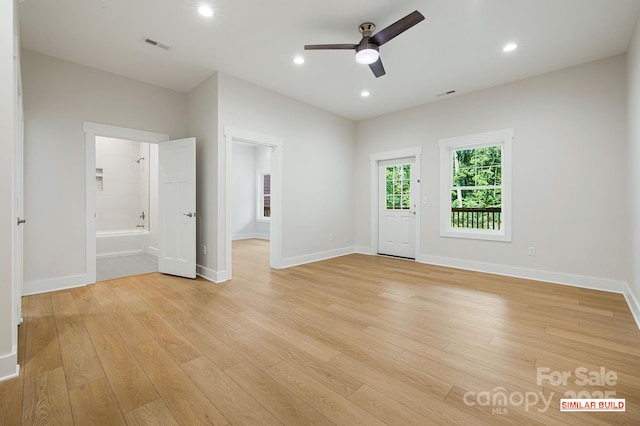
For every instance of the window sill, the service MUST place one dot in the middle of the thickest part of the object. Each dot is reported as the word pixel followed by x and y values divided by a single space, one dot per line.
pixel 477 235
pixel 263 220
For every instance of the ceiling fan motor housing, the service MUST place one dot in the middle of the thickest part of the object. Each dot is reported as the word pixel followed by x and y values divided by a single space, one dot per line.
pixel 367 29
pixel 365 45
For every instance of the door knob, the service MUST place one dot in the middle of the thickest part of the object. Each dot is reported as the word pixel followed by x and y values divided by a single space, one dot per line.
pixel 21 221
pixel 189 214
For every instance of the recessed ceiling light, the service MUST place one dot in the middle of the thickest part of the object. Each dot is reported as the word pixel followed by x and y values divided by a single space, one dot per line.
pixel 510 47
pixel 365 94
pixel 205 10
pixel 298 60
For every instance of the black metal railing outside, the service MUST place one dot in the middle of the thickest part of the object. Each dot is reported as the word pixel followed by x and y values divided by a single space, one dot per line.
pixel 476 218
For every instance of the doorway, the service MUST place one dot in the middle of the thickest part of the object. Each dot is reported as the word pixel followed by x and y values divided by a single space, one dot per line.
pixel 176 234
pixel 126 208
pixel 93 131
pixel 395 203
pixel 251 205
pixel 235 137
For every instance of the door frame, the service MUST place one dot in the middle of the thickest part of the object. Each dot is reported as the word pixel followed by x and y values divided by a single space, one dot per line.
pixel 91 130
pixel 224 225
pixel 375 159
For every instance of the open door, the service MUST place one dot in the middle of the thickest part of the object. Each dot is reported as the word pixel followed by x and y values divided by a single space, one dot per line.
pixel 177 207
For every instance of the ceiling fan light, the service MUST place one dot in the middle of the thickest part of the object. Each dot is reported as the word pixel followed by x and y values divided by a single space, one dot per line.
pixel 367 56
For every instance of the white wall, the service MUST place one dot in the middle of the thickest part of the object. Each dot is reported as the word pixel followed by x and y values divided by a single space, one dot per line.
pixel 125 184
pixel 243 186
pixel 633 70
pixel 569 172
pixel 58 96
pixel 8 349
pixel 202 116
pixel 247 161
pixel 318 158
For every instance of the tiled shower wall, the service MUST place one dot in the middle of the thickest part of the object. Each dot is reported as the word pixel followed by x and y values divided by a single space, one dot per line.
pixel 122 184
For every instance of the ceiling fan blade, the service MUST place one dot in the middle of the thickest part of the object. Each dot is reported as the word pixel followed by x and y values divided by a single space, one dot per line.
pixel 397 28
pixel 330 46
pixel 377 68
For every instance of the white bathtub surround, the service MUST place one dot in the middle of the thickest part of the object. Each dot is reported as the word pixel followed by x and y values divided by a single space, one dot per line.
pixel 122 184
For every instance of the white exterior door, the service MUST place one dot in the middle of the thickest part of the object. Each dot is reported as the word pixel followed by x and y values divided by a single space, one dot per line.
pixel 397 208
pixel 177 212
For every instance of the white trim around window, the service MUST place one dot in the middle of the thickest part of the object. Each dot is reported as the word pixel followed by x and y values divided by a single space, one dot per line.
pixel 447 147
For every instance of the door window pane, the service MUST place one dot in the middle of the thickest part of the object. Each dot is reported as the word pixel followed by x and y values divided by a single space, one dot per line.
pixel 398 187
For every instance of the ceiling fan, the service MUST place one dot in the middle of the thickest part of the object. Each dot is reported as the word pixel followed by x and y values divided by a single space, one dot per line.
pixel 367 50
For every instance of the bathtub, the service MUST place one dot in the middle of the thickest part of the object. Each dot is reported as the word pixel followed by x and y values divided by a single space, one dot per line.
pixel 121 243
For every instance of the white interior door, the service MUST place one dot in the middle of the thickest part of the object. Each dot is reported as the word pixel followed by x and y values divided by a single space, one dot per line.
pixel 177 207
pixel 397 208
pixel 18 236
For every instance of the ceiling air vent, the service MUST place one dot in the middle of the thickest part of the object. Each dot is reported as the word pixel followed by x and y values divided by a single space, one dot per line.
pixel 155 43
pixel 450 92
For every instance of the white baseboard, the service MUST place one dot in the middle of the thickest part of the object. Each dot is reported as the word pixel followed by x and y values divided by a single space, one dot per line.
pixel 633 303
pixel 9 367
pixel 250 237
pixel 53 284
pixel 153 250
pixel 315 257
pixel 222 276
pixel 211 275
pixel 364 250
pixel 603 284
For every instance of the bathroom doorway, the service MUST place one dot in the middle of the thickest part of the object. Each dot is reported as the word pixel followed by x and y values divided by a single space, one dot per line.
pixel 93 131
pixel 126 207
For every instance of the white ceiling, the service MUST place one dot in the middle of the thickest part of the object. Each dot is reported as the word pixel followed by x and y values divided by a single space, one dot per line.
pixel 458 46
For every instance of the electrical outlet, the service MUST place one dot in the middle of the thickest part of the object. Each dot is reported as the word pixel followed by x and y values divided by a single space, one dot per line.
pixel 204 249
pixel 531 251
pixel 330 237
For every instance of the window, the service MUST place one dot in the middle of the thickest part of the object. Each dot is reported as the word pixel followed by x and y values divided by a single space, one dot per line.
pixel 398 184
pixel 264 197
pixel 475 186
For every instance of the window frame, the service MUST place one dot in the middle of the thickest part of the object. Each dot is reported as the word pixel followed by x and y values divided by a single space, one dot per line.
pixel 260 217
pixel 503 138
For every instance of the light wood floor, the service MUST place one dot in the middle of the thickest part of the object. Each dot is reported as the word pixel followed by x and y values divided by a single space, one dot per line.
pixel 354 340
